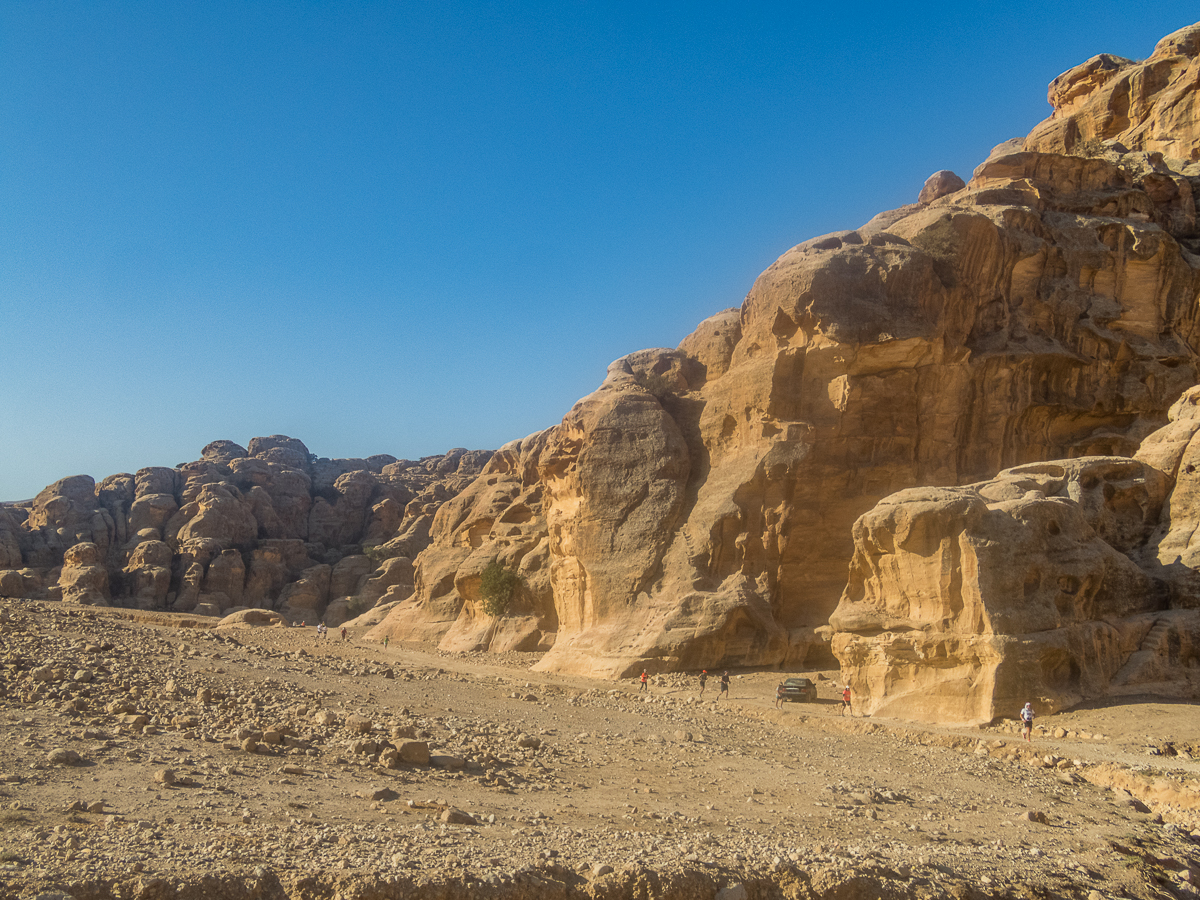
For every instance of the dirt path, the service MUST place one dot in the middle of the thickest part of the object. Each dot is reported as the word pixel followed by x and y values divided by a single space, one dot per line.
pixel 278 749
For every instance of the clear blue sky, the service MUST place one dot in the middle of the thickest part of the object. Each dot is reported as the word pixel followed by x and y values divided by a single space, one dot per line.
pixel 403 227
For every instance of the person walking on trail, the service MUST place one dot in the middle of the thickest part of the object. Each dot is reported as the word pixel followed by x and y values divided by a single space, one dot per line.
pixel 846 701
pixel 1027 721
pixel 385 642
pixel 724 690
pixel 644 685
pixel 779 697
pixel 343 632
pixel 703 680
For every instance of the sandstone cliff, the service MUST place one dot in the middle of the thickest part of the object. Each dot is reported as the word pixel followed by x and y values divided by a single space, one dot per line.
pixel 1053 582
pixel 269 526
pixel 697 509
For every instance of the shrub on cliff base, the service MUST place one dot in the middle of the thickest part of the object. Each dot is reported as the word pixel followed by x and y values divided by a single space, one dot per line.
pixel 497 587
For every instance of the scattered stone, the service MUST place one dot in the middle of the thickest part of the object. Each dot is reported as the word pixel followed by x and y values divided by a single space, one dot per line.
pixel 63 757
pixel 454 816
pixel 415 753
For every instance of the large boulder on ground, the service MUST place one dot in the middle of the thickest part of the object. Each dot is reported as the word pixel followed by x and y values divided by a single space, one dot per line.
pixel 252 618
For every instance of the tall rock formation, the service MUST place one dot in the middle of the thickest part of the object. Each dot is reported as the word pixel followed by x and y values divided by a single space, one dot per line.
pixel 268 526
pixel 697 509
pixel 1053 582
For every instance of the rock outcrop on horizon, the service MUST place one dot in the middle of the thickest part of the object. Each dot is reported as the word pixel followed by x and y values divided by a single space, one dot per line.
pixel 270 526
pixel 698 508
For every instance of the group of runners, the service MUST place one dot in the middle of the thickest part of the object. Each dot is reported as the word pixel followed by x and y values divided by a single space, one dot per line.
pixel 723 689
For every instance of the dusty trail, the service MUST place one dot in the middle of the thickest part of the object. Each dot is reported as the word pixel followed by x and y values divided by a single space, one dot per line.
pixel 281 759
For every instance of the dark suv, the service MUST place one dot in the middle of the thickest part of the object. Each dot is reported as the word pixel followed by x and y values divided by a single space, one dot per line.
pixel 800 689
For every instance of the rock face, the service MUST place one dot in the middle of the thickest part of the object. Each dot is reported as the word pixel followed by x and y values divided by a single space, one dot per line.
pixel 1151 105
pixel 268 527
pixel 1053 583
pixel 964 603
pixel 697 509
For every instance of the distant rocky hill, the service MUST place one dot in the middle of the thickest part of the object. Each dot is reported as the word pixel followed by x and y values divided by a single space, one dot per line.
pixel 268 526
pixel 699 508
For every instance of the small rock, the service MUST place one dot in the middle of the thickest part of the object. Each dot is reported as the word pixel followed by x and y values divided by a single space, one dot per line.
pixel 62 757
pixel 166 776
pixel 454 816
pixel 414 753
pixel 735 891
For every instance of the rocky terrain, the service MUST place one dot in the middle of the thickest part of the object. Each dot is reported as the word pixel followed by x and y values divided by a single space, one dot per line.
pixel 151 756
pixel 699 507
pixel 270 526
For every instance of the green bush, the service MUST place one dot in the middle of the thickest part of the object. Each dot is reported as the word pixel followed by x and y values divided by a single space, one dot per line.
pixel 658 385
pixel 381 553
pixel 497 587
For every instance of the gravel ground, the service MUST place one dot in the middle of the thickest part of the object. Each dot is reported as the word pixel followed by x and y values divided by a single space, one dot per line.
pixel 149 756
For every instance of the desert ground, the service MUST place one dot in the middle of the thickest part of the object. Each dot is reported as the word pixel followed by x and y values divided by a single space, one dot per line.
pixel 147 756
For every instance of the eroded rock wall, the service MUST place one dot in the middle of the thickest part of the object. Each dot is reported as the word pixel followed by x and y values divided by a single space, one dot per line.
pixel 1051 583
pixel 699 506
pixel 269 526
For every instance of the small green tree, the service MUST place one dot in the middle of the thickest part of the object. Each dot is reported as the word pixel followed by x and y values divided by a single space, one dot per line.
pixel 381 553
pixel 658 385
pixel 497 587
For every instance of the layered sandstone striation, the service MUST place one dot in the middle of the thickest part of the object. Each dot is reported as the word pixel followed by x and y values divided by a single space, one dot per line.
pixel 268 526
pixel 963 603
pixel 1151 105
pixel 1054 582
pixel 698 508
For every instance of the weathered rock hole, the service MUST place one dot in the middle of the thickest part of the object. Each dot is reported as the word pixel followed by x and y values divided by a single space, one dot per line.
pixel 1033 581
pixel 517 515
pixel 1052 527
